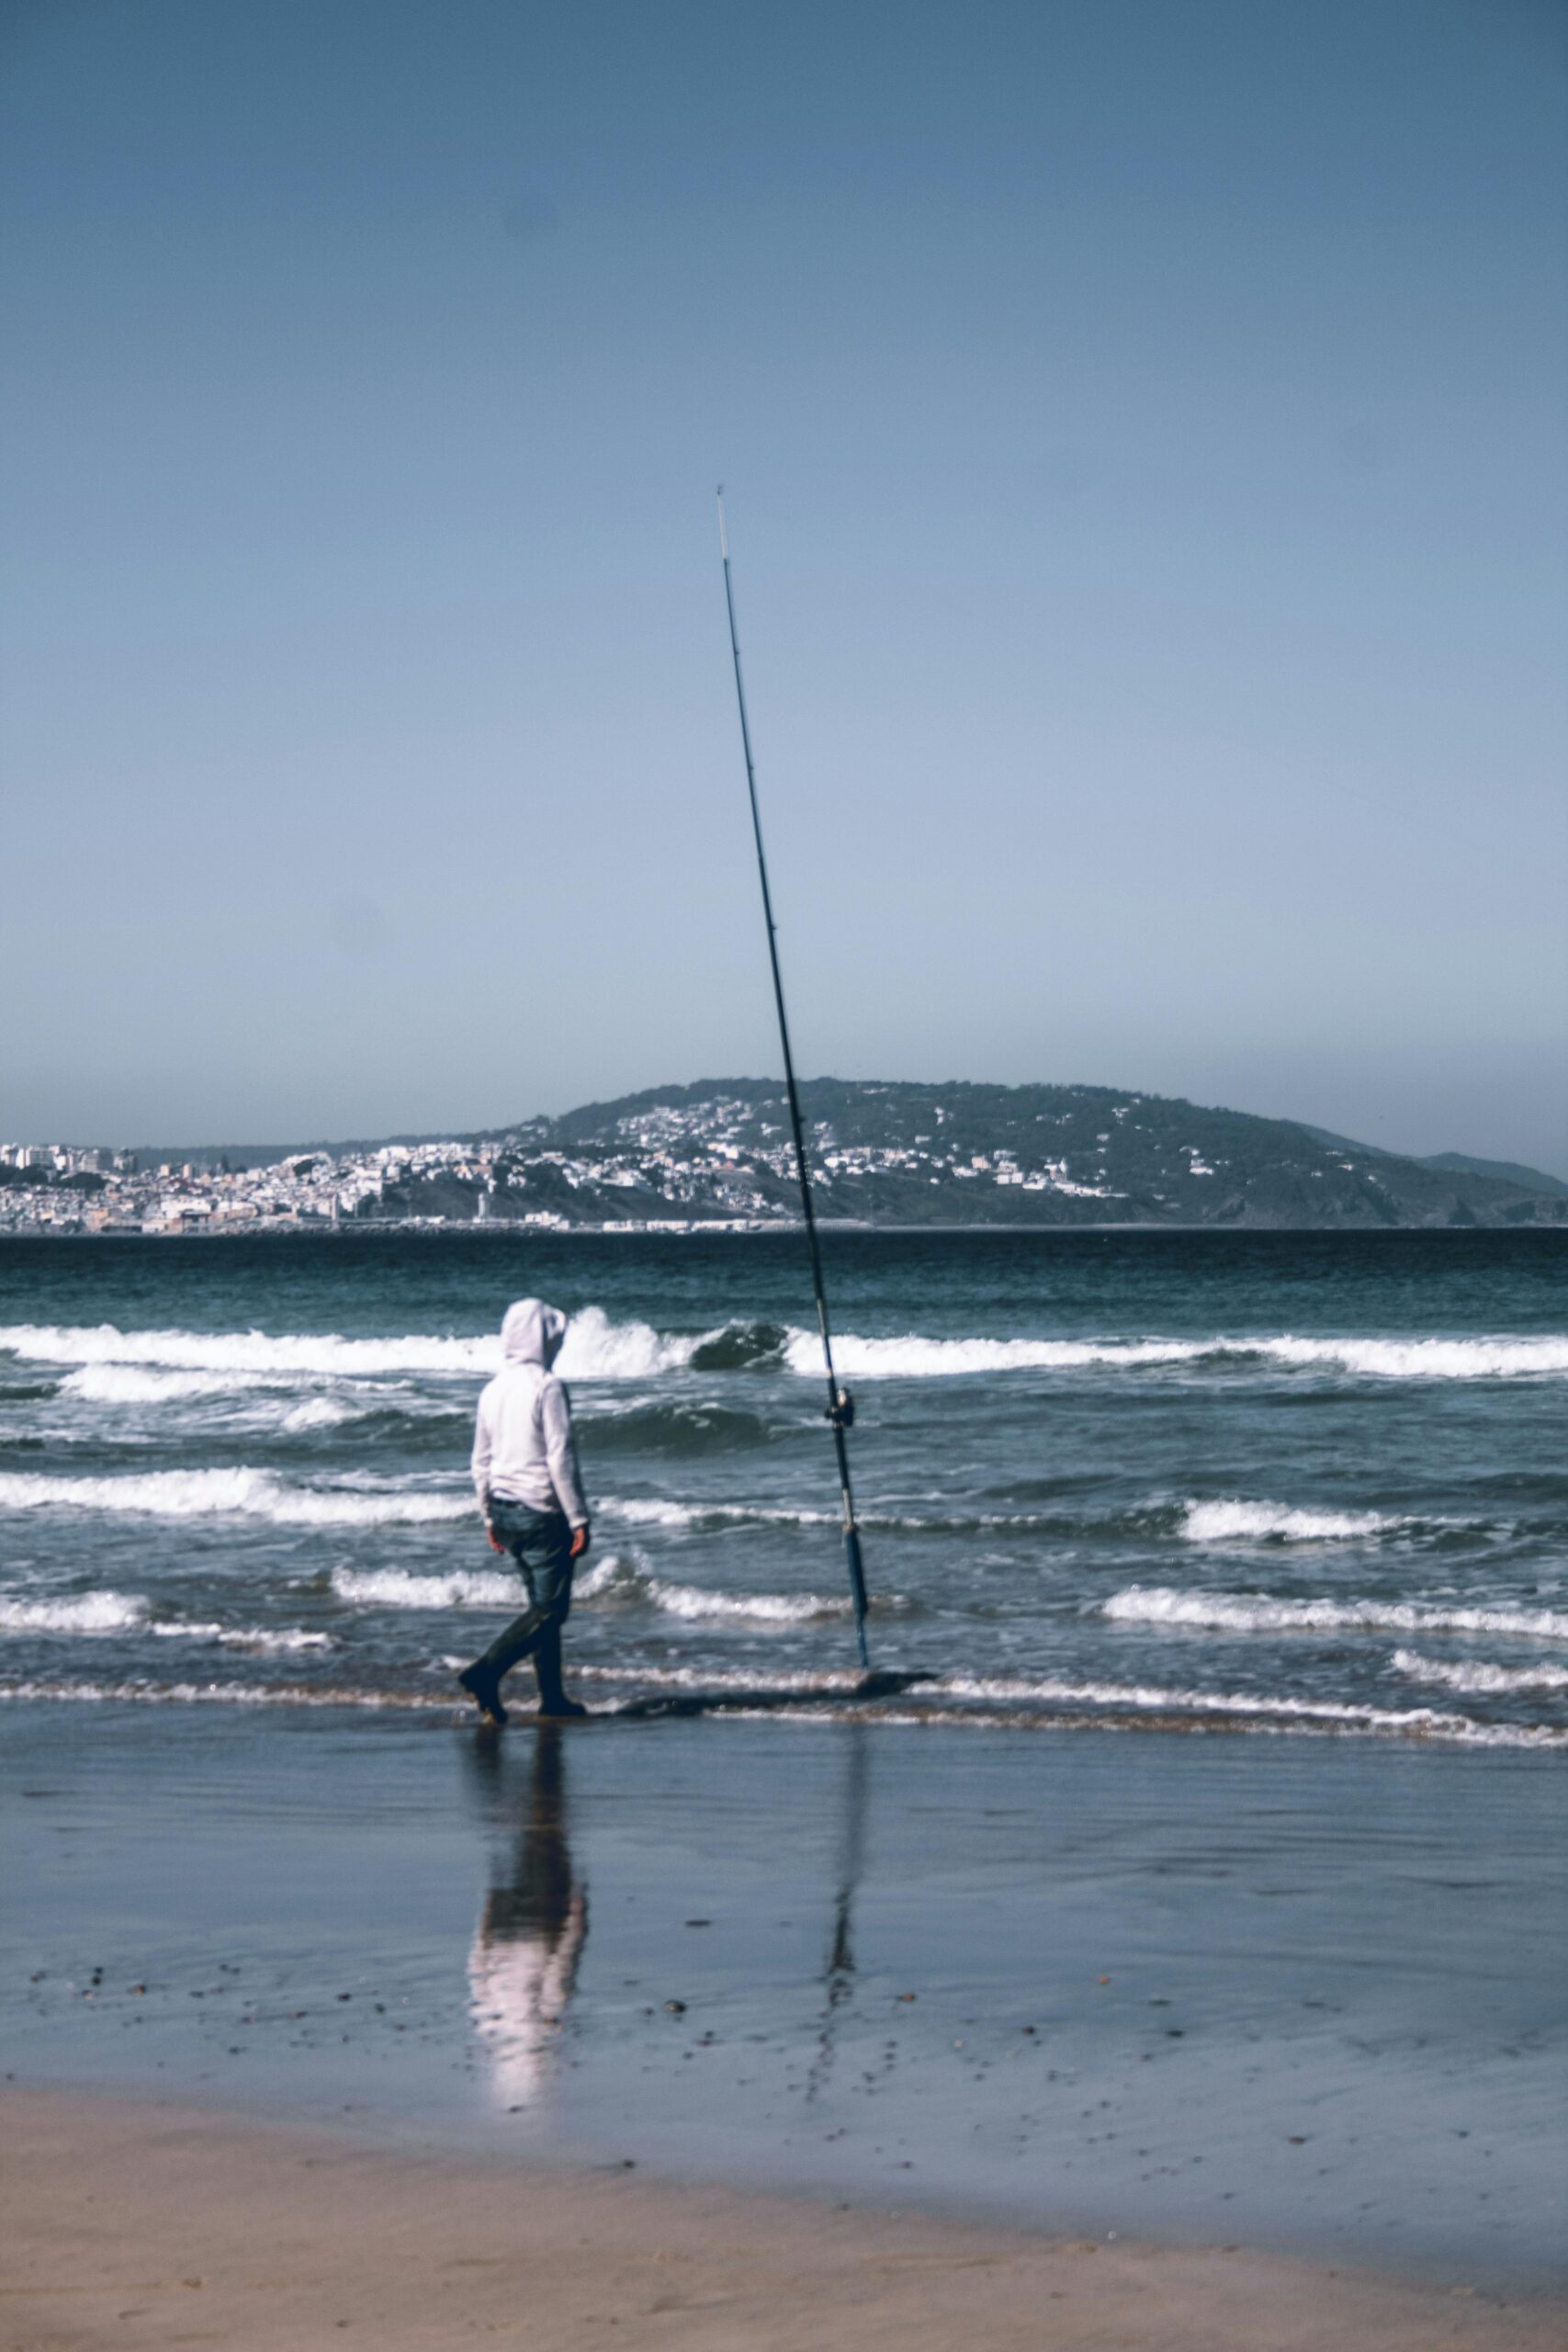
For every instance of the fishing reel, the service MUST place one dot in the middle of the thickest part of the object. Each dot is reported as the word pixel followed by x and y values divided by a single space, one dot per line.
pixel 842 1412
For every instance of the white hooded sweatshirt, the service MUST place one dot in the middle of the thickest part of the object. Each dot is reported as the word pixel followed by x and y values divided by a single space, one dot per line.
pixel 524 1448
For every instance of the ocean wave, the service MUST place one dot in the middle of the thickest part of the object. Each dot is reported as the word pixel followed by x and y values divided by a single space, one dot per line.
pixel 1240 1612
pixel 1232 1521
pixel 913 1357
pixel 740 1347
pixel 1147 1697
pixel 620 1580
pixel 132 1692
pixel 1479 1358
pixel 109 1360
pixel 131 1384
pixel 322 1413
pixel 1133 1709
pixel 678 1429
pixel 237 1493
pixel 615 1581
pixel 261 1641
pixel 595 1349
pixel 402 1588
pixel 1017 1691
pixel 1477 1677
pixel 86 1612
pixel 656 1512
pixel 134 1384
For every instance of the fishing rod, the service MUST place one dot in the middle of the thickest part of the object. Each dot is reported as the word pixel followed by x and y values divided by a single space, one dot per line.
pixel 840 1410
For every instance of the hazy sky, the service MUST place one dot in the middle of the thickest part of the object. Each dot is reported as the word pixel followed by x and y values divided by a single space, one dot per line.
pixel 1142 425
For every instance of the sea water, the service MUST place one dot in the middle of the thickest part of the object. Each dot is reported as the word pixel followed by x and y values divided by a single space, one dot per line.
pixel 1285 1485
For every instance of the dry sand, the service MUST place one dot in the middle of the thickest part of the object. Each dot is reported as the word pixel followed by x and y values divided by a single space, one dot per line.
pixel 131 2222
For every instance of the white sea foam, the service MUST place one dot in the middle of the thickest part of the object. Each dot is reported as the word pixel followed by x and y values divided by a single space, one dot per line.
pixel 1241 1612
pixel 261 1641
pixel 1476 1675
pixel 1481 1359
pixel 745 1608
pixel 321 1413
pixel 656 1512
pixel 129 1384
pixel 237 1493
pixel 913 1357
pixel 1123 1707
pixel 615 1579
pixel 283 1641
pixel 1156 1696
pixel 86 1612
pixel 229 1694
pixel 399 1588
pixel 1233 1520
pixel 595 1349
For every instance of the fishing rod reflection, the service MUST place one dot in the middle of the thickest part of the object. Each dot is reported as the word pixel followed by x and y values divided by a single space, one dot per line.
pixel 528 1940
pixel 839 1971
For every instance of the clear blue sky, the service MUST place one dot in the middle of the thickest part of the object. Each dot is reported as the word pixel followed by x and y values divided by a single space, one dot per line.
pixel 1144 429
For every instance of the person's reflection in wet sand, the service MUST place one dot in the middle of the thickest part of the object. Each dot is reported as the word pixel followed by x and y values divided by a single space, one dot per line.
pixel 529 1939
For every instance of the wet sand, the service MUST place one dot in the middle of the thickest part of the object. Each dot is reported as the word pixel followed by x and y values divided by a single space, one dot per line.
pixel 131 2223
pixel 1301 1998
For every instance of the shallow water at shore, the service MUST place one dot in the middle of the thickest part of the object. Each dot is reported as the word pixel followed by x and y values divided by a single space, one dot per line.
pixel 1294 1994
pixel 1305 1484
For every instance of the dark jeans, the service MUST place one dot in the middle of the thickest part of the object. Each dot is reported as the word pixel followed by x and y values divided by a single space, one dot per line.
pixel 540 1542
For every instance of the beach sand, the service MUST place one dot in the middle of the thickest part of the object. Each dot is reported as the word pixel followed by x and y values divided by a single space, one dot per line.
pixel 129 2223
pixel 1079 2038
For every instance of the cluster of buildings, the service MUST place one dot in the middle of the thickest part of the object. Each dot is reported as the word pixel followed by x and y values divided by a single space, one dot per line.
pixel 712 1162
pixel 58 1188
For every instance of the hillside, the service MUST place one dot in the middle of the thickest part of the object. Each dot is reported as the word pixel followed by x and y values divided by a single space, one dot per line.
pixel 894 1153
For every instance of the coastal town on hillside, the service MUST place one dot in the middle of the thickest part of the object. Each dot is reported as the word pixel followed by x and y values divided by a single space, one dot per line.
pixel 671 1170
pixel 718 1156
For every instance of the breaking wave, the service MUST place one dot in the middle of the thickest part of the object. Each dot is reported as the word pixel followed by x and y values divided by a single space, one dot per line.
pixel 980 1705
pixel 1240 1612
pixel 595 1349
pixel 88 1612
pixel 229 1494
pixel 131 1384
pixel 1477 1676
pixel 149 1365
pixel 1233 1521
pixel 912 1357
pixel 656 1512
pixel 737 1347
pixel 401 1589
pixel 613 1582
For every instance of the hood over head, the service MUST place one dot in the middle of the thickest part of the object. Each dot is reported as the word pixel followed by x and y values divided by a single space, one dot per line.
pixel 532 1332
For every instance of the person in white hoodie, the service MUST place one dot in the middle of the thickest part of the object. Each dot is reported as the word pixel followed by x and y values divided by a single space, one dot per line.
pixel 530 1490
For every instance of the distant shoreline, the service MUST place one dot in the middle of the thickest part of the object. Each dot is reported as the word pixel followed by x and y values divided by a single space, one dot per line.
pixel 446 1229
